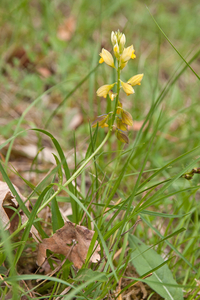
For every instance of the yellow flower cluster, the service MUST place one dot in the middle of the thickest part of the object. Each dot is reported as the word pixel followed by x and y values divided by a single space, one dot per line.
pixel 122 56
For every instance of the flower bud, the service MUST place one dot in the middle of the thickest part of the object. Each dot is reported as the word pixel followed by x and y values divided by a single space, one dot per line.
pixel 113 38
pixel 122 40
pixel 122 43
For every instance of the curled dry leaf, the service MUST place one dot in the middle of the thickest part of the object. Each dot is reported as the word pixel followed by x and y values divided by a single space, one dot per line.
pixel 8 199
pixel 71 241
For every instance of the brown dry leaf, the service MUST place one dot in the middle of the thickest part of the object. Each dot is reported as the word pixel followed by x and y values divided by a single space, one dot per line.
pixel 20 54
pixel 7 198
pixel 71 241
pixel 66 30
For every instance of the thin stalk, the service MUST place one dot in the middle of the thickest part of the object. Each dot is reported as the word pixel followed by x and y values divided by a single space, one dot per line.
pixel 118 89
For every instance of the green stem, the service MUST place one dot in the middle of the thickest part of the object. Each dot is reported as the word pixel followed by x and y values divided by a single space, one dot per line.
pixel 118 89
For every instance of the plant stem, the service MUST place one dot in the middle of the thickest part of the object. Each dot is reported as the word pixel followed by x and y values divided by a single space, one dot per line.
pixel 118 89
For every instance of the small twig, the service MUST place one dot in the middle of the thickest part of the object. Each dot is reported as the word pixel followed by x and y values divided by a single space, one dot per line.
pixel 5 282
pixel 32 294
pixel 64 292
pixel 62 263
pixel 133 227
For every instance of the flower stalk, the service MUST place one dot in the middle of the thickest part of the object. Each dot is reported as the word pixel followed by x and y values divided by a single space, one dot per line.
pixel 123 55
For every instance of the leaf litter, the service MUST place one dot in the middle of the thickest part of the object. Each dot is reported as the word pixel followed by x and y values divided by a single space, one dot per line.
pixel 71 241
pixel 7 200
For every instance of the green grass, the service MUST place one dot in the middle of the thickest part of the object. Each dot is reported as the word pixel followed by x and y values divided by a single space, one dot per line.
pixel 110 184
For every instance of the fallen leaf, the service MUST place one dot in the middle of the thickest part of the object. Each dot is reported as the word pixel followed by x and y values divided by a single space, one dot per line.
pixel 71 241
pixel 20 54
pixel 8 199
pixel 66 30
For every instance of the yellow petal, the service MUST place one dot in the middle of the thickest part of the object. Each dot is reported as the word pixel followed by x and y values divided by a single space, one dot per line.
pixel 127 88
pixel 119 108
pixel 135 80
pixel 112 95
pixel 101 120
pixel 122 137
pixel 101 60
pixel 121 125
pixel 104 90
pixel 106 56
pixel 127 118
pixel 127 54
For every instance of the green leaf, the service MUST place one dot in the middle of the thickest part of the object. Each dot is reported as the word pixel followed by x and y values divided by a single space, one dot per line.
pixel 162 215
pixel 144 261
pixel 87 274
pixel 57 220
pixel 93 139
pixel 60 174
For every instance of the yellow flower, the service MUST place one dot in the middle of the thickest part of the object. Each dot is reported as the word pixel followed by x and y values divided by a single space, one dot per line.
pixel 106 57
pixel 127 54
pixel 112 95
pixel 121 125
pixel 104 90
pixel 126 118
pixel 121 136
pixel 135 80
pixel 127 88
pixel 119 108
pixel 101 120
pixel 116 51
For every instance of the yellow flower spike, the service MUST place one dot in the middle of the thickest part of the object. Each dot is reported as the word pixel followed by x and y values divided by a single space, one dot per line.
pixel 104 90
pixel 135 80
pixel 127 88
pixel 127 54
pixel 106 57
pixel 101 120
pixel 112 95
pixel 121 136
pixel 126 117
